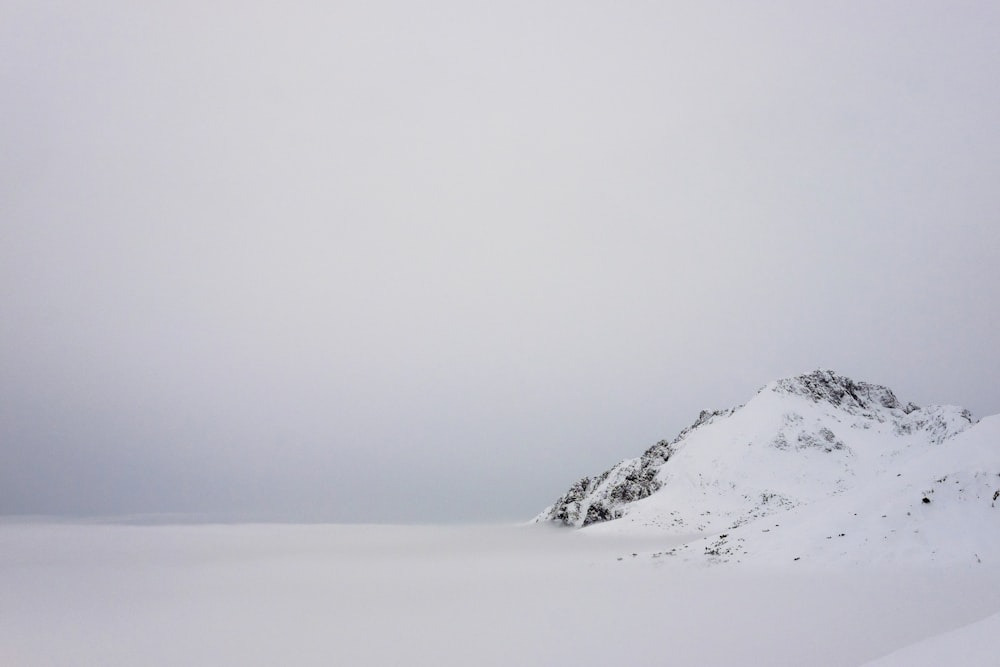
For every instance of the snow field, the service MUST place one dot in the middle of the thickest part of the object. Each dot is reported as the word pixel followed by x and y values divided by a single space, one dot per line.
pixel 93 594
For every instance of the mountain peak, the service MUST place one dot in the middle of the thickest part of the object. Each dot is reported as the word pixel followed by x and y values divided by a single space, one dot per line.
pixel 827 386
pixel 801 439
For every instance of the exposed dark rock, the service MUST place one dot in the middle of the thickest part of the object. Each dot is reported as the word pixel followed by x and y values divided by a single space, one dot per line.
pixel 592 500
pixel 841 391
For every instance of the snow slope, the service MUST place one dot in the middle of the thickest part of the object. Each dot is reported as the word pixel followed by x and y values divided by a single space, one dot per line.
pixel 974 645
pixel 809 458
pixel 938 506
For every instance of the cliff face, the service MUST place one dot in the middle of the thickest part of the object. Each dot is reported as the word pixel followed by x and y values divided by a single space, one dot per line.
pixel 798 440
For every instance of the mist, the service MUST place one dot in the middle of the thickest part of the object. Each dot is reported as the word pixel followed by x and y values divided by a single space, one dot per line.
pixel 386 262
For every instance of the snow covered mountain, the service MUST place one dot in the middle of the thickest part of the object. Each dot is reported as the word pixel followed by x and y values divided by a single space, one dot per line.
pixel 810 447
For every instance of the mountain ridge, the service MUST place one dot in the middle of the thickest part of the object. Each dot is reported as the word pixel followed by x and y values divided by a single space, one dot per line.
pixel 799 440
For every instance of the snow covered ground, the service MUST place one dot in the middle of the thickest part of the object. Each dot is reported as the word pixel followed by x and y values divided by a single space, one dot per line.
pixel 97 594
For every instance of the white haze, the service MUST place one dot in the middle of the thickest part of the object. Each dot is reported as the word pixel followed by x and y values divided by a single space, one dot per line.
pixel 391 261
pixel 112 595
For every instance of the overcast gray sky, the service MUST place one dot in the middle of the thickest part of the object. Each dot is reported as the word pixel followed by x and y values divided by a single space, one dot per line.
pixel 423 261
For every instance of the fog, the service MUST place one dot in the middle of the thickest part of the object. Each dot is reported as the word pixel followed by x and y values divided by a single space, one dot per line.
pixel 388 261
pixel 416 595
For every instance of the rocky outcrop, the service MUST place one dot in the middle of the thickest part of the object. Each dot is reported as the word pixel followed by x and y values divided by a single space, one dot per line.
pixel 601 498
pixel 842 392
